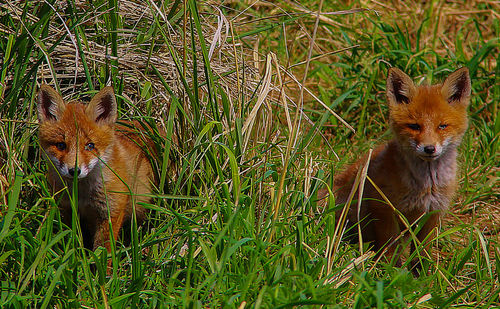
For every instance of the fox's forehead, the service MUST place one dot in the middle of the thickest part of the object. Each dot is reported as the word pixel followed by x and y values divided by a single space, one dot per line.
pixel 428 106
pixel 430 103
pixel 74 115
pixel 429 98
pixel 75 121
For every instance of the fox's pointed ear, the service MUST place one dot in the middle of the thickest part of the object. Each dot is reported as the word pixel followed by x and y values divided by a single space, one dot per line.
pixel 457 87
pixel 102 107
pixel 50 103
pixel 400 87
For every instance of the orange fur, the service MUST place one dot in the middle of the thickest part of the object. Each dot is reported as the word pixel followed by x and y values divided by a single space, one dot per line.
pixel 417 169
pixel 109 160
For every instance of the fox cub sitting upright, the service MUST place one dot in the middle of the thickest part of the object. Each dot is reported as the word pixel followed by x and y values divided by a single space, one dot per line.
pixel 417 169
pixel 108 159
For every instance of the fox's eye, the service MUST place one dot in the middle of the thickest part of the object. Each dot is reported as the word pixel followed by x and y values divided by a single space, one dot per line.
pixel 89 146
pixel 443 126
pixel 413 126
pixel 61 145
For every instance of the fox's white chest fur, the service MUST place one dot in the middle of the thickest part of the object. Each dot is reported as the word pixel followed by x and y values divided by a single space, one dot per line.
pixel 428 182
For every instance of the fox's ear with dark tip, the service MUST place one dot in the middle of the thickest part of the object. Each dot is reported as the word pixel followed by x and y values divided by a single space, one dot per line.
pixel 50 104
pixel 102 107
pixel 457 87
pixel 400 88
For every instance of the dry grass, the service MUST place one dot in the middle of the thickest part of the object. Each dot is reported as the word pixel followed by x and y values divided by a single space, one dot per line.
pixel 136 60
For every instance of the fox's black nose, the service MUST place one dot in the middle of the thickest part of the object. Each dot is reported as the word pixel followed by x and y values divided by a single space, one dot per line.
pixel 71 171
pixel 430 149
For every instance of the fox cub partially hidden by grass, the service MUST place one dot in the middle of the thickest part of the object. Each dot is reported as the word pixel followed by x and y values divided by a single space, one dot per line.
pixel 108 159
pixel 417 169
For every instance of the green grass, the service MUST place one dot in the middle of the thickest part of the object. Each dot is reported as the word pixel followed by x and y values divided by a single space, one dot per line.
pixel 234 222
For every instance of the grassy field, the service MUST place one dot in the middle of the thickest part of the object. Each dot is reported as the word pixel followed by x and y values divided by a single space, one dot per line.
pixel 245 93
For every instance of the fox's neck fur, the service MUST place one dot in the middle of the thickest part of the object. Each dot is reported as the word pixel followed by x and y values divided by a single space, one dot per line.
pixel 436 173
pixel 429 183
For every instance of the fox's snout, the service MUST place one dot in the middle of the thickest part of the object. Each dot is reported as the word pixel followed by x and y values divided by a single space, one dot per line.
pixel 79 172
pixel 429 152
pixel 70 164
pixel 430 149
pixel 70 171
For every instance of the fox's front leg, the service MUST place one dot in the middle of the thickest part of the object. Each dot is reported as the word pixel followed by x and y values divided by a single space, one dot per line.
pixel 102 236
pixel 66 213
pixel 386 232
pixel 425 237
pixel 117 204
